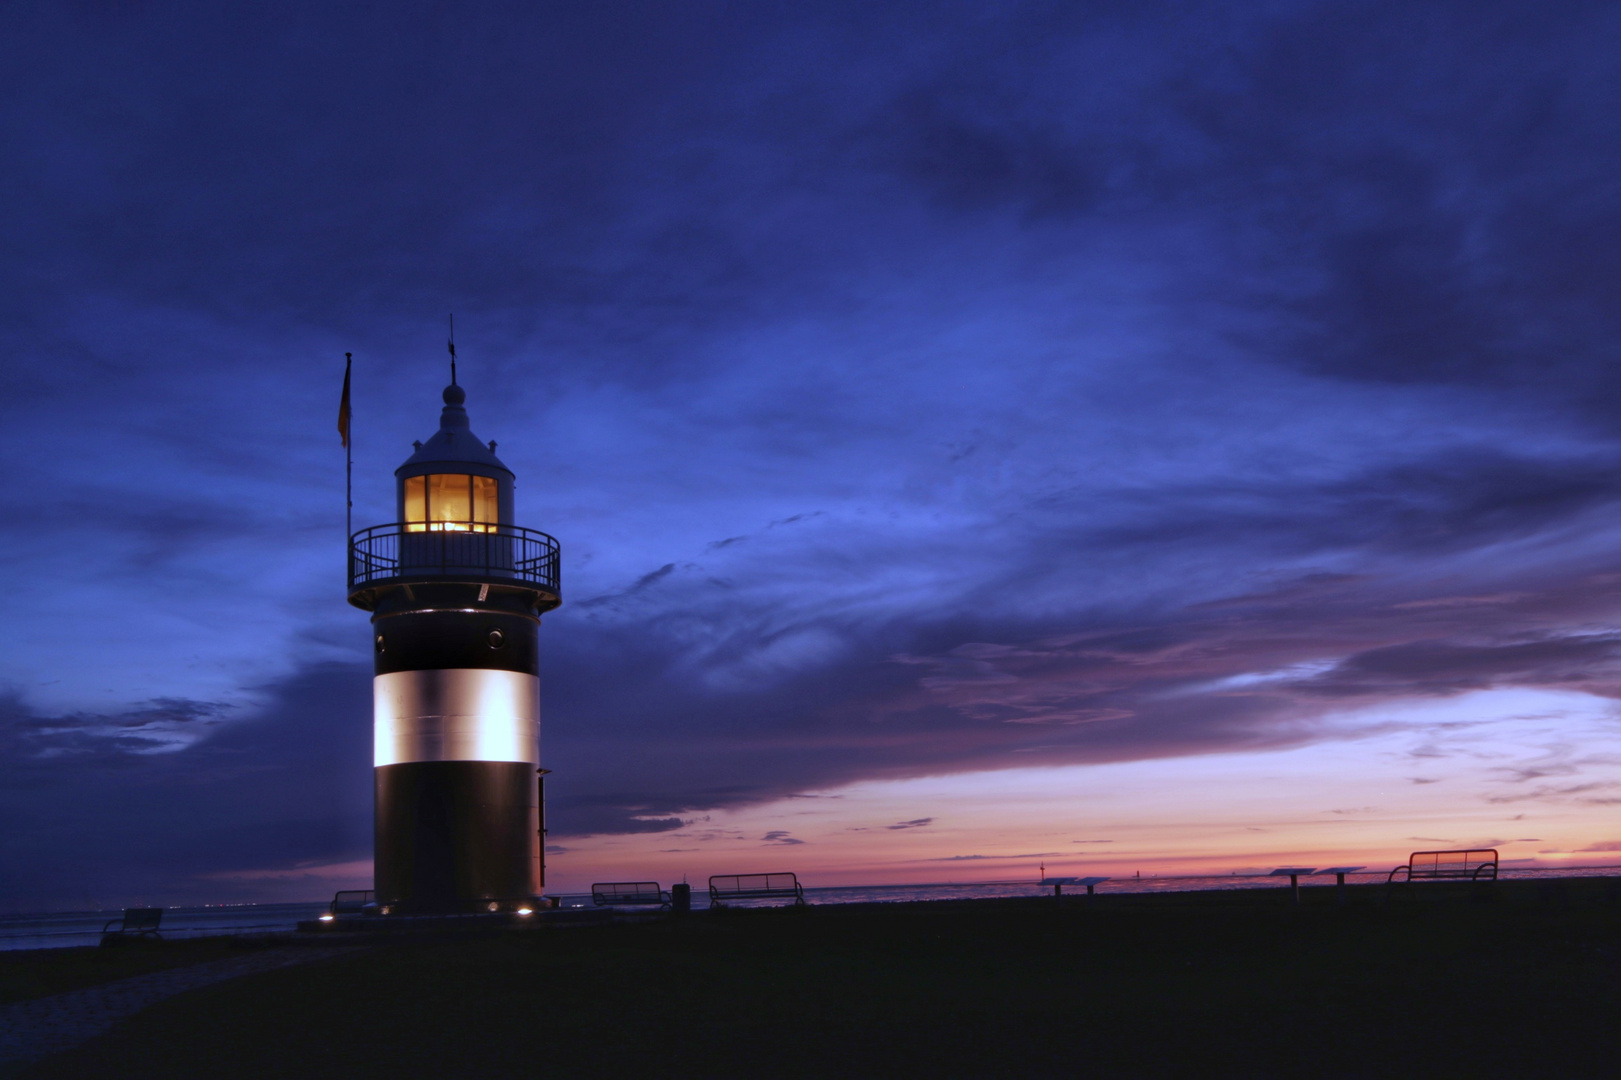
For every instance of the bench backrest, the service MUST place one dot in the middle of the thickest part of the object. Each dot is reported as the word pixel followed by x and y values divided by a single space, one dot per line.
pixel 626 892
pixel 351 901
pixel 1423 864
pixel 142 918
pixel 766 885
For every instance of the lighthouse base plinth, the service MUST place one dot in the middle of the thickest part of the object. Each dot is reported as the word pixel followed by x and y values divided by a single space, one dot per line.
pixel 456 836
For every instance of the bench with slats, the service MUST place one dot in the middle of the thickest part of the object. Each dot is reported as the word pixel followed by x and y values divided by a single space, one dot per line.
pixel 137 922
pixel 629 894
pixel 727 887
pixel 1479 864
pixel 352 902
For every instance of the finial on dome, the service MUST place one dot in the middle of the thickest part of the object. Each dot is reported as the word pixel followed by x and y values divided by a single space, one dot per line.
pixel 455 395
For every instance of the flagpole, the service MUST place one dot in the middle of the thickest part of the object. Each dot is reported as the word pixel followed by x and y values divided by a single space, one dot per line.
pixel 452 344
pixel 349 462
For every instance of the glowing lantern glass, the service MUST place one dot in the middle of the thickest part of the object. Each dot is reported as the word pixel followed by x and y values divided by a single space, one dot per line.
pixel 450 502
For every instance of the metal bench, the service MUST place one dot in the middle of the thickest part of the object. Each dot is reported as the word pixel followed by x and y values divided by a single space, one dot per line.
pixel 138 922
pixel 1479 864
pixel 725 887
pixel 351 902
pixel 627 893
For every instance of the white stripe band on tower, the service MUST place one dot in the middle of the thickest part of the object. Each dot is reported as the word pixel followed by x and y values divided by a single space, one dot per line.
pixel 456 714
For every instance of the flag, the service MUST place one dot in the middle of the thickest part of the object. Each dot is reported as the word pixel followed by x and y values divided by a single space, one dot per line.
pixel 343 405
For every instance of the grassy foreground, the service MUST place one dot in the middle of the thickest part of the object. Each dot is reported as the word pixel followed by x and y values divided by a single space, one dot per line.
pixel 1519 979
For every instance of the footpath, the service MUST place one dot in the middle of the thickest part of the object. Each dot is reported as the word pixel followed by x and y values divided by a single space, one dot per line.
pixel 30 1030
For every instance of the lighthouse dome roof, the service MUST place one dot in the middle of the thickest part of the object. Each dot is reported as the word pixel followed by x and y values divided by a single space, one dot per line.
pixel 454 443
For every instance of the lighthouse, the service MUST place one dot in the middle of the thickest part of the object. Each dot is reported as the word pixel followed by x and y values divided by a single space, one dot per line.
pixel 456 590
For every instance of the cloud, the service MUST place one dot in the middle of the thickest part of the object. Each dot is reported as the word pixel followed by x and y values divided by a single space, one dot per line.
pixel 1553 793
pixel 971 858
pixel 318 876
pixel 641 584
pixel 278 801
pixel 915 823
pixel 953 698
pixel 641 743
pixel 1165 389
pixel 780 836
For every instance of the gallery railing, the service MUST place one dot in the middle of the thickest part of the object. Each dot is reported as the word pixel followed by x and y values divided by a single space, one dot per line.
pixel 457 550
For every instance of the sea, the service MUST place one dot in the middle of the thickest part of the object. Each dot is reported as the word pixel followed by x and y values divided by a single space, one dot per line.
pixel 64 929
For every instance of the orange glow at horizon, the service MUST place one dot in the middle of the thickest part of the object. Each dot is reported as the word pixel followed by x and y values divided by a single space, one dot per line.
pixel 1534 774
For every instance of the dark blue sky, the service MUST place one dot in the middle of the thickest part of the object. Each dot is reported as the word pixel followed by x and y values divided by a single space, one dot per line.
pixel 914 389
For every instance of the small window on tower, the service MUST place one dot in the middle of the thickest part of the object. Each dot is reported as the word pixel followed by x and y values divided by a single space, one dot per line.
pixel 486 512
pixel 416 505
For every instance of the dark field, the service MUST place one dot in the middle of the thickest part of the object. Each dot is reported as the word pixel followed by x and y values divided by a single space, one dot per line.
pixel 1517 979
pixel 33 973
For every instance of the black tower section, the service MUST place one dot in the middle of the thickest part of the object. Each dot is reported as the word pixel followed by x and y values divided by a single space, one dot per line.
pixel 456 591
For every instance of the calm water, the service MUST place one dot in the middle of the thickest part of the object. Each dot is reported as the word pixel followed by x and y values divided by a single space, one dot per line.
pixel 61 929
